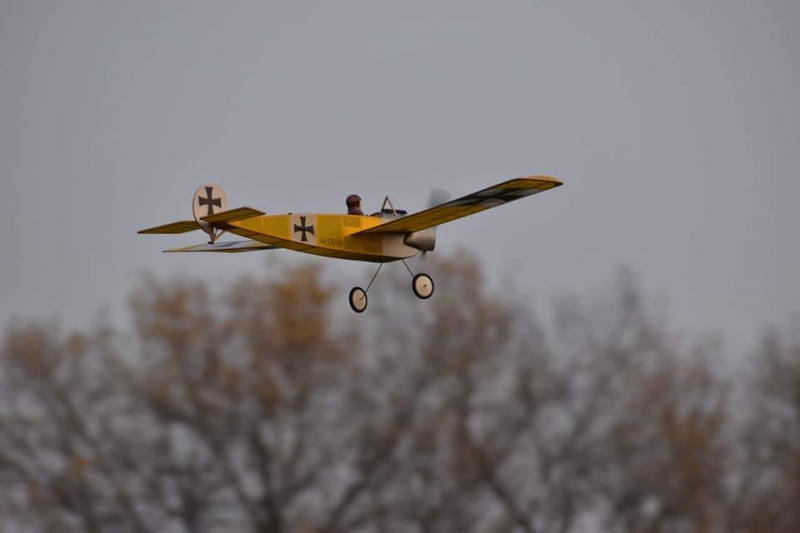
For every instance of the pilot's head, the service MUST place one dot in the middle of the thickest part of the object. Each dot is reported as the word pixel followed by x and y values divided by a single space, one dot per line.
pixel 353 201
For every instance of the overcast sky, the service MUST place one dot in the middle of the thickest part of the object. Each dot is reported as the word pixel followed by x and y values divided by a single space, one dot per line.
pixel 675 127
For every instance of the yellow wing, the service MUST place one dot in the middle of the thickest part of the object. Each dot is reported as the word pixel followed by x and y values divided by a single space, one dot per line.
pixel 470 204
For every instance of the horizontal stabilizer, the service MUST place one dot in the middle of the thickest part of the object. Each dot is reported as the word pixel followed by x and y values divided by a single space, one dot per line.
pixel 232 215
pixel 183 226
pixel 227 247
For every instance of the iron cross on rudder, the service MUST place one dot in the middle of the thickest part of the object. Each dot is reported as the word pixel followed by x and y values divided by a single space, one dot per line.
pixel 303 229
pixel 209 201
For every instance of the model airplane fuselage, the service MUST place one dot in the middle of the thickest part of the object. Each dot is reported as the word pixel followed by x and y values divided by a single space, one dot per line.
pixel 329 235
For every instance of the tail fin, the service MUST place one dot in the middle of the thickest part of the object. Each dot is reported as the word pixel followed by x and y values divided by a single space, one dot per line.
pixel 207 200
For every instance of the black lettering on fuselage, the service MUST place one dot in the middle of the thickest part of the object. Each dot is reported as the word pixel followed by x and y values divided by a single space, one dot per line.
pixel 331 241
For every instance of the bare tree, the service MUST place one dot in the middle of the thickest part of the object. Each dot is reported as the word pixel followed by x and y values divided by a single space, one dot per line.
pixel 60 460
pixel 766 484
pixel 263 407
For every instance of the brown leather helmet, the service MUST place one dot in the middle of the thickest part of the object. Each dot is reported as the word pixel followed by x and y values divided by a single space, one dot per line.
pixel 353 200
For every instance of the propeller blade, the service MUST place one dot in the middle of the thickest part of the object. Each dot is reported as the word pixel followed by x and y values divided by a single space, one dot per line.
pixel 439 197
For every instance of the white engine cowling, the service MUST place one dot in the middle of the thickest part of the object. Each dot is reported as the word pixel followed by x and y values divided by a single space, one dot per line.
pixel 424 240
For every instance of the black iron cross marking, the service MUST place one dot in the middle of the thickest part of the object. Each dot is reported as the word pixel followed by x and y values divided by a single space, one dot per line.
pixel 209 201
pixel 304 229
pixel 494 195
pixel 511 194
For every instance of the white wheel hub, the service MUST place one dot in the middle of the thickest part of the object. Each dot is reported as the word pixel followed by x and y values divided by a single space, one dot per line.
pixel 422 285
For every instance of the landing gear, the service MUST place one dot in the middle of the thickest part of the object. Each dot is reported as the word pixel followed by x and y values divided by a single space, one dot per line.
pixel 422 285
pixel 358 299
pixel 358 296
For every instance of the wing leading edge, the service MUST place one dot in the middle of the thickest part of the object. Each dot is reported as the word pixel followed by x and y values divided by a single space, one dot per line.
pixel 493 196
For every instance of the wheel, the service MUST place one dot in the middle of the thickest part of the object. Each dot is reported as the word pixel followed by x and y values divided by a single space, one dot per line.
pixel 358 299
pixel 422 285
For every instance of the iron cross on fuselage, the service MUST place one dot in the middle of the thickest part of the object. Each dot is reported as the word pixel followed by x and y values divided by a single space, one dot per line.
pixel 209 201
pixel 304 229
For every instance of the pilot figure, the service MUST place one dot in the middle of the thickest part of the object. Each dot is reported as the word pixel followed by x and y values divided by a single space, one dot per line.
pixel 354 205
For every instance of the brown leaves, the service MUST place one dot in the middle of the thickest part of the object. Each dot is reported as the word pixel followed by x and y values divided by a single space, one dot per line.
pixel 31 350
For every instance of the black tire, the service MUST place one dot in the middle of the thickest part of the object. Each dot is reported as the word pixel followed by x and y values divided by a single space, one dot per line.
pixel 358 299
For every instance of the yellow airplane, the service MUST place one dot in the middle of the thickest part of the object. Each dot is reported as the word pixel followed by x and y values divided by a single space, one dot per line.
pixel 385 236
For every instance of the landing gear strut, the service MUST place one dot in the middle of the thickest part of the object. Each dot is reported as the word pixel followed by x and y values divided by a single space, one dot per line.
pixel 421 285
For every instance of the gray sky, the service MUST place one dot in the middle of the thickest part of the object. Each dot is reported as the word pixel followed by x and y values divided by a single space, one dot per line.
pixel 674 125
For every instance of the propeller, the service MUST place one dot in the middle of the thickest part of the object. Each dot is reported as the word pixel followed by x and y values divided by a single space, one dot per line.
pixel 437 197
